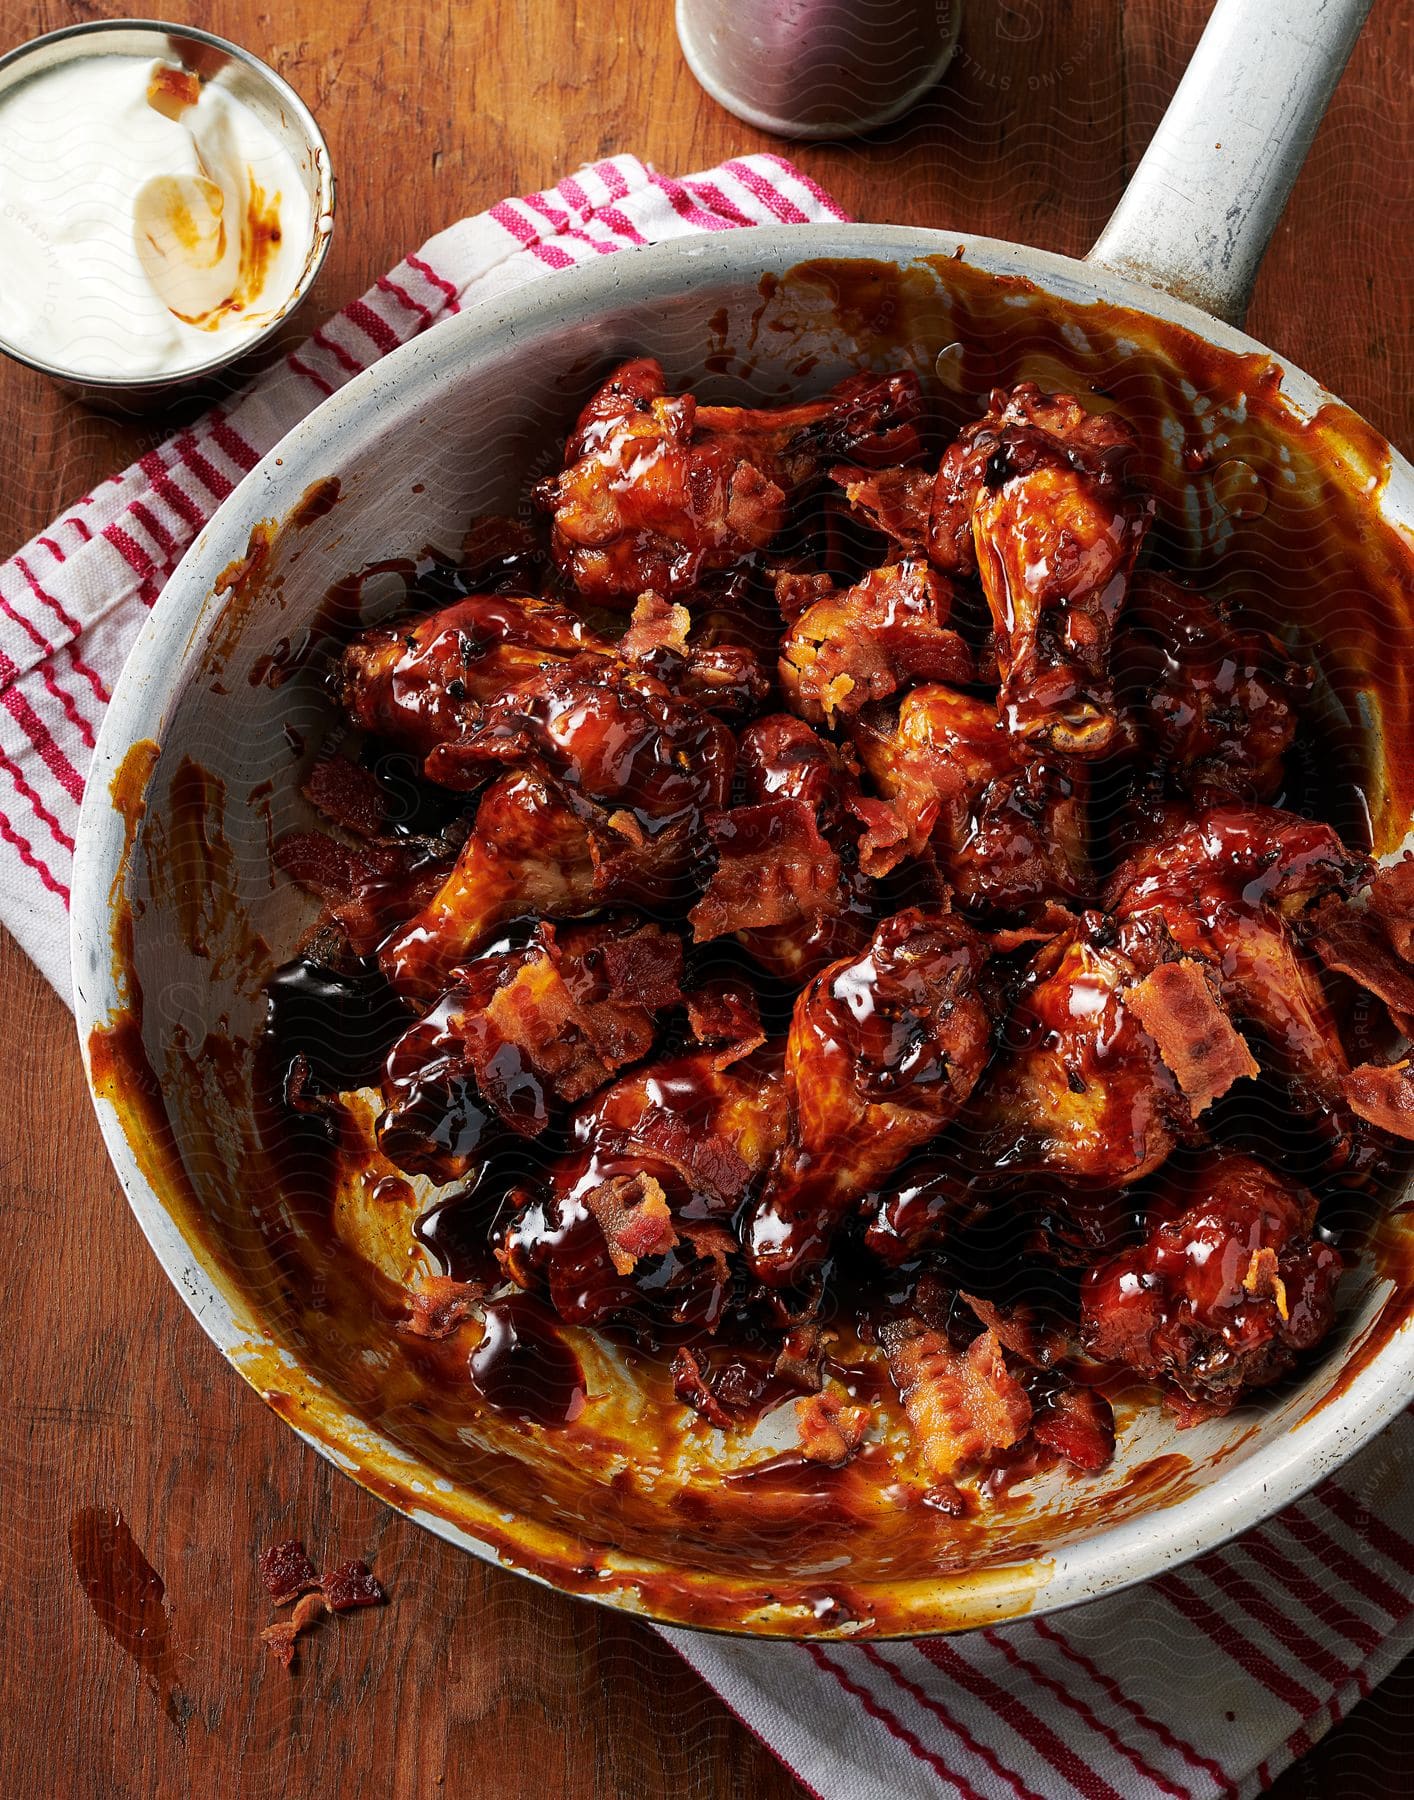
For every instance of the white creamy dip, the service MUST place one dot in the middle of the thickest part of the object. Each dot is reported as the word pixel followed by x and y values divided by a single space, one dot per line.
pixel 147 225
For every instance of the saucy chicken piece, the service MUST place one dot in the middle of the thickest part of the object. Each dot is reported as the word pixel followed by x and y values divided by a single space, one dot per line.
pixel 1230 1284
pixel 610 805
pixel 424 684
pixel 658 491
pixel 810 904
pixel 704 1136
pixel 920 1207
pixel 1004 829
pixel 1215 704
pixel 520 1031
pixel 862 643
pixel 1223 888
pixel 883 1050
pixel 1033 497
pixel 1080 1090
pixel 609 731
pixel 528 852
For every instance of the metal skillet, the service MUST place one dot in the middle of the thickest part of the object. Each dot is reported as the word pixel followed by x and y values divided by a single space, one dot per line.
pixel 1264 482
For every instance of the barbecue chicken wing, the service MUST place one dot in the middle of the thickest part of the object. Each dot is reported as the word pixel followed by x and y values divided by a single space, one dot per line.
pixel 638 1214
pixel 1004 829
pixel 529 852
pixel 1229 1285
pixel 658 490
pixel 1214 706
pixel 1034 498
pixel 424 684
pixel 865 642
pixel 883 1050
pixel 616 777
pixel 1224 888
pixel 1080 1090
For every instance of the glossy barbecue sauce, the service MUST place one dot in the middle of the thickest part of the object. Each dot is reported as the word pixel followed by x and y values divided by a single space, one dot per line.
pixel 952 1218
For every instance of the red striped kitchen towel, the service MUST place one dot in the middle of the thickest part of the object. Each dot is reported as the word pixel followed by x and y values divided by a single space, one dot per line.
pixel 1205 1682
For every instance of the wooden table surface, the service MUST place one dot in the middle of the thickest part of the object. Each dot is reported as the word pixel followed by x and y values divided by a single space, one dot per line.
pixel 473 1682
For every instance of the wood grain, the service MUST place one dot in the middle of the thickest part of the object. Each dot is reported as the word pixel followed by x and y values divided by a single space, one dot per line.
pixel 472 1682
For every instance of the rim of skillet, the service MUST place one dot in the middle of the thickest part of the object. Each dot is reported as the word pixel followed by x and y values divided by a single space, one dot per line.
pixel 1112 1558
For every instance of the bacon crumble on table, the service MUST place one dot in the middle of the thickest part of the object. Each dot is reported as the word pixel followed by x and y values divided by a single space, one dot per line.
pixel 831 902
pixel 289 1575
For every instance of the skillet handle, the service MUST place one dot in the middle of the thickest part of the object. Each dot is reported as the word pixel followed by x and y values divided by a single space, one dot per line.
pixel 1205 200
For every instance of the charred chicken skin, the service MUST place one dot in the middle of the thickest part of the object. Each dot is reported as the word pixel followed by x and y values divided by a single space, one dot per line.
pixel 875 925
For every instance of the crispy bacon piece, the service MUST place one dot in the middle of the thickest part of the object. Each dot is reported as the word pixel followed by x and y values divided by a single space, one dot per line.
pixel 287 1571
pixel 862 644
pixel 529 1034
pixel 350 1586
pixel 801 1358
pixel 1034 496
pixel 426 684
pixel 1176 1005
pixel 348 795
pixel 1078 1423
pixel 1357 945
pixel 691 1389
pixel 1228 1287
pixel 724 1017
pixel 828 1429
pixel 773 868
pixel 1383 1096
pixel 280 1638
pixel 1392 900
pixel 1003 828
pixel 364 891
pixel 1016 1330
pixel 657 625
pixel 439 1306
pixel 894 501
pixel 633 1214
pixel 658 491
pixel 883 1050
pixel 962 1405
